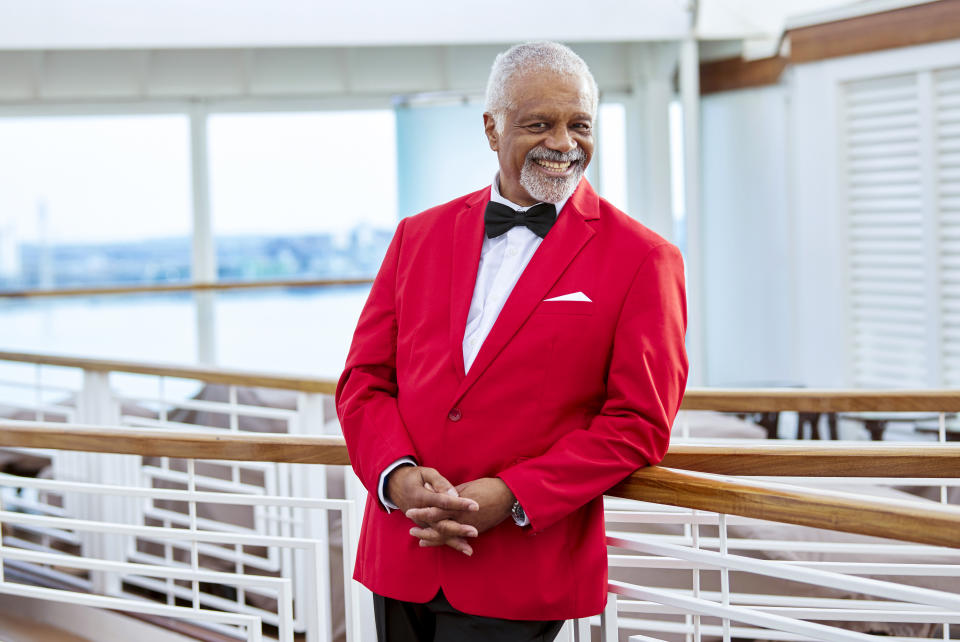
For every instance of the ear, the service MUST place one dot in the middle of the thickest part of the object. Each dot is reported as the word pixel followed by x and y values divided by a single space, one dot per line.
pixel 490 128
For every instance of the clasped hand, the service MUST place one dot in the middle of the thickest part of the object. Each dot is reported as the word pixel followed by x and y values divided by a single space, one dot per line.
pixel 446 515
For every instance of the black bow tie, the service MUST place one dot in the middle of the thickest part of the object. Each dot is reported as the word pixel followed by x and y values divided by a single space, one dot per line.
pixel 499 218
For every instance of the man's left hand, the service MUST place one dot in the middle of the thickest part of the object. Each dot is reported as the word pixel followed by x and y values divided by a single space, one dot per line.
pixel 436 526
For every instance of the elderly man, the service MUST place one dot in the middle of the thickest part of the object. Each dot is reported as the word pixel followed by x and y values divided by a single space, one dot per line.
pixel 520 353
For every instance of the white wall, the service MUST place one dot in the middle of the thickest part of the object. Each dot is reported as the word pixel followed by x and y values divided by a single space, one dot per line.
pixel 748 310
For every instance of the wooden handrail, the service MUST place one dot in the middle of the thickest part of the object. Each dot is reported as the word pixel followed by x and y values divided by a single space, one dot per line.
pixel 907 521
pixel 231 446
pixel 209 375
pixel 821 400
pixel 826 459
pixel 819 509
pixel 182 287
pixel 869 459
pixel 718 399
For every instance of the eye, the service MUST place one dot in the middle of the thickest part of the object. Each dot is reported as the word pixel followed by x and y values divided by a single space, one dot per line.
pixel 538 127
pixel 584 127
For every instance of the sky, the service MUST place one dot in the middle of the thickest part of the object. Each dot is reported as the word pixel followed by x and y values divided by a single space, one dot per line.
pixel 121 178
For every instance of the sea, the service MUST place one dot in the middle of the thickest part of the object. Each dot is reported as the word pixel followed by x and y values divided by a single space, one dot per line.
pixel 288 331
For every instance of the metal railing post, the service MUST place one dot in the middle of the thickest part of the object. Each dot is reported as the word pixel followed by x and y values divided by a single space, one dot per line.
pixel 311 481
pixel 609 628
pixel 97 405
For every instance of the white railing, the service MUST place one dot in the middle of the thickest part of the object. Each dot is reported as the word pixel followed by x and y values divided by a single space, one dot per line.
pixel 244 544
pixel 722 575
pixel 254 519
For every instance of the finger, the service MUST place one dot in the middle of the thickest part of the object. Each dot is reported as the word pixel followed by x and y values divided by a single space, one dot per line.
pixel 436 481
pixel 429 538
pixel 427 535
pixel 460 545
pixel 449 529
pixel 443 524
pixel 428 544
pixel 445 492
pixel 426 499
pixel 430 515
pixel 455 543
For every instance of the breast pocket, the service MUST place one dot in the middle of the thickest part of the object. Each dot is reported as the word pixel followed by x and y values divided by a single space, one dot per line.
pixel 578 345
pixel 581 308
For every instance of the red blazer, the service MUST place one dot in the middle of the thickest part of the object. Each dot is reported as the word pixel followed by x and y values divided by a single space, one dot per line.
pixel 564 400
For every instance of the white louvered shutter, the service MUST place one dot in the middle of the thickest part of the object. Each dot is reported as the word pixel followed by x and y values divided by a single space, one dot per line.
pixel 886 273
pixel 900 166
pixel 946 85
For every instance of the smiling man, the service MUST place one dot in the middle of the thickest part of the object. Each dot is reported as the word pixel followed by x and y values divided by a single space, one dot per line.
pixel 521 351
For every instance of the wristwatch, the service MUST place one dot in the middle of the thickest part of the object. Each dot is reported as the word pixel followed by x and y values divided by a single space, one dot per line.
pixel 519 517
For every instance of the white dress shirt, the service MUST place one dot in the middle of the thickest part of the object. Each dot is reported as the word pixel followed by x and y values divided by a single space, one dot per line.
pixel 502 261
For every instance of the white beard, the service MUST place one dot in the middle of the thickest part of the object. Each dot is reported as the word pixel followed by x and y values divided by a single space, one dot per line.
pixel 551 189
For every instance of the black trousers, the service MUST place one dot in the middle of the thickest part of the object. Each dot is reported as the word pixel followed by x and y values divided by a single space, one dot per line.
pixel 437 621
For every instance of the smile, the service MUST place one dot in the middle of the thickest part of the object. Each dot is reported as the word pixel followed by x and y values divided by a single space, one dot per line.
pixel 553 167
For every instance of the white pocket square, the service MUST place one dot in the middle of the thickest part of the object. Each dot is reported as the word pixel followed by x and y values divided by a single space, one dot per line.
pixel 573 296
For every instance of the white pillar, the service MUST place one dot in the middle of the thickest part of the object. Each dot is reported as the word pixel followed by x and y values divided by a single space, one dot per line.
pixel 204 265
pixel 690 96
pixel 648 135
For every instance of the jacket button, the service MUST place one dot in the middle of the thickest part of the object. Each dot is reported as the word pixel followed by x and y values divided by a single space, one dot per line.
pixel 454 415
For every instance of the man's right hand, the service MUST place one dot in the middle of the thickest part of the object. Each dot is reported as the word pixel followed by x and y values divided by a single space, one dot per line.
pixel 421 487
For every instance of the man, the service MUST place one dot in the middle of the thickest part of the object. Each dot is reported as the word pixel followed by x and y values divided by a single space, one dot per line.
pixel 520 353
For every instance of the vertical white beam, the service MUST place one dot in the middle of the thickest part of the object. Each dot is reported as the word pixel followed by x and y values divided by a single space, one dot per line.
pixel 96 405
pixel 659 91
pixel 609 628
pixel 690 97
pixel 204 265
pixel 648 135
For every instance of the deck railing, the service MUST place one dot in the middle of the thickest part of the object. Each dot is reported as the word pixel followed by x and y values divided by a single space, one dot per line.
pixel 166 288
pixel 151 457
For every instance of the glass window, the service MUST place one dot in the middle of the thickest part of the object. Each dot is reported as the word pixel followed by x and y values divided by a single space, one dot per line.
pixel 612 150
pixel 94 200
pixel 302 194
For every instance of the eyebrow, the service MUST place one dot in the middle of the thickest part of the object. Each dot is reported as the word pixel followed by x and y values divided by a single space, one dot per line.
pixel 542 116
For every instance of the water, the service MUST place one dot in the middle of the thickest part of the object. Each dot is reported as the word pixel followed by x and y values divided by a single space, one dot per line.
pixel 304 332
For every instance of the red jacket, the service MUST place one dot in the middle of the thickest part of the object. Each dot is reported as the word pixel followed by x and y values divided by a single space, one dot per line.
pixel 564 400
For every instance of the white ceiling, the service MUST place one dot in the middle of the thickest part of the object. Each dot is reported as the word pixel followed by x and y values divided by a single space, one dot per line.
pixel 76 24
pixel 139 24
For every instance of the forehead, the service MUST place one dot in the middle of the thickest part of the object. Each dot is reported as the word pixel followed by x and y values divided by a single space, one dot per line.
pixel 550 92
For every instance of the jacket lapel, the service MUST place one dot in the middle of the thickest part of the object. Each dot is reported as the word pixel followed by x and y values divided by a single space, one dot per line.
pixel 564 241
pixel 467 242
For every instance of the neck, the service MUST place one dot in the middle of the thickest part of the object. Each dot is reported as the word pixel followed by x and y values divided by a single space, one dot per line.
pixel 515 194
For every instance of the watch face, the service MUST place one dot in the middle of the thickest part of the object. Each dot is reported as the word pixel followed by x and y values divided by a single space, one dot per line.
pixel 516 511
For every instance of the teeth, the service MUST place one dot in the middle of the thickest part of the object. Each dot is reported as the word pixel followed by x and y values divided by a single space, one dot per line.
pixel 553 164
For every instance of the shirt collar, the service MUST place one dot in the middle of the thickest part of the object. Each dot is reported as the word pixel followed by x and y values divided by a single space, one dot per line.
pixel 496 197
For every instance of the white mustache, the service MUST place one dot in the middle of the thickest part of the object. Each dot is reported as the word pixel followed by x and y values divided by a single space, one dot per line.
pixel 542 153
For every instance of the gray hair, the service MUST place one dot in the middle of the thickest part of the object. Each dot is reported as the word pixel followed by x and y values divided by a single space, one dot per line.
pixel 531 56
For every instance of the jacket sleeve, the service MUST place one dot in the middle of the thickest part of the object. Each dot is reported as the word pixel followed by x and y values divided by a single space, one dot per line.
pixel 366 394
pixel 645 382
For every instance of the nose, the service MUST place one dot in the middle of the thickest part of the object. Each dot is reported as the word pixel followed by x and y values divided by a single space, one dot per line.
pixel 560 140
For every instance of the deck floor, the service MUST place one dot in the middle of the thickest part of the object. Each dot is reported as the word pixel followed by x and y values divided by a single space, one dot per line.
pixel 18 629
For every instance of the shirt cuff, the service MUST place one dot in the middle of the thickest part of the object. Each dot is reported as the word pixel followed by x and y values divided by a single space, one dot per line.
pixel 382 487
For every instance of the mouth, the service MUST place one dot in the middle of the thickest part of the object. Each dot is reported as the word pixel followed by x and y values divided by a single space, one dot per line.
pixel 555 168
